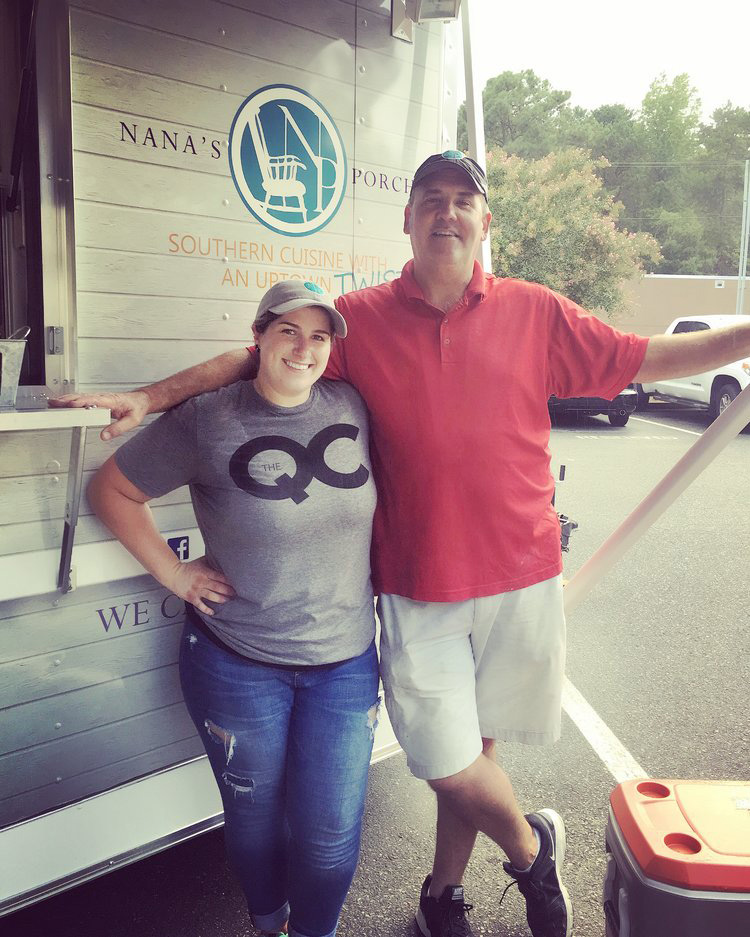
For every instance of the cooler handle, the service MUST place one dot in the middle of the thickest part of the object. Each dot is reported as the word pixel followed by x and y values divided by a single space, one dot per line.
pixel 617 921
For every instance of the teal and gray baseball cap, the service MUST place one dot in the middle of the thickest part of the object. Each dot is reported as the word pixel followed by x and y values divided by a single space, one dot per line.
pixel 455 158
pixel 289 295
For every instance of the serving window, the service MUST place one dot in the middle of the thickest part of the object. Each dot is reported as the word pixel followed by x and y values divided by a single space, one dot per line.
pixel 36 192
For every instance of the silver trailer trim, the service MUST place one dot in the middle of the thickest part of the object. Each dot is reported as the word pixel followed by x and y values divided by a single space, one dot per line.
pixel 56 187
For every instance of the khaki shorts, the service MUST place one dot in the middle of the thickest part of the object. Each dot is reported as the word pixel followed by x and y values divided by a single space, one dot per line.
pixel 457 672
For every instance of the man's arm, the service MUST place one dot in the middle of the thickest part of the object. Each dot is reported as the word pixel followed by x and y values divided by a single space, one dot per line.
pixel 693 352
pixel 131 407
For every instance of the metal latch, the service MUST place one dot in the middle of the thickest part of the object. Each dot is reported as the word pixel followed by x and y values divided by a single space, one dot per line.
pixel 55 340
pixel 567 526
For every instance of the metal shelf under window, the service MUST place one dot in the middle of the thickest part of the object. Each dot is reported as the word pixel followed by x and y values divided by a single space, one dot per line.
pixel 78 421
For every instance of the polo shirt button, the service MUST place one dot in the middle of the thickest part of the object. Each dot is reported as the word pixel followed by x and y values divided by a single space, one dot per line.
pixel 447 341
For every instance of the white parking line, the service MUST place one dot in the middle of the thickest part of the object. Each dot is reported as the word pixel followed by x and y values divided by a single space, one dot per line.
pixel 616 758
pixel 679 429
pixel 629 438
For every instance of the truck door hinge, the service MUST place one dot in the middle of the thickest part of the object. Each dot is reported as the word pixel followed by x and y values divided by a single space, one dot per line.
pixel 55 340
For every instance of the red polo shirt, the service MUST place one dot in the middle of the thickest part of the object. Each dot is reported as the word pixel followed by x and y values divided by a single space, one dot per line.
pixel 460 428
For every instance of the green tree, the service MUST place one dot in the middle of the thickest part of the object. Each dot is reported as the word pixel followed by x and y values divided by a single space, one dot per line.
pixel 521 114
pixel 677 179
pixel 717 184
pixel 670 115
pixel 660 200
pixel 555 224
pixel 618 137
pixel 728 135
pixel 525 115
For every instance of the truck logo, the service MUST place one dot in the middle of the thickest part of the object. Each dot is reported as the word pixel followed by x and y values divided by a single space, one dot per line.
pixel 287 160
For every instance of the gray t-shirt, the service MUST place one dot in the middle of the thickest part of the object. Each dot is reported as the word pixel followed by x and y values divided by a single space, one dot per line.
pixel 284 498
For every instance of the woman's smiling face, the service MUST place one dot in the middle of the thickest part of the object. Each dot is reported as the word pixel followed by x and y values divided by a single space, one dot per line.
pixel 294 352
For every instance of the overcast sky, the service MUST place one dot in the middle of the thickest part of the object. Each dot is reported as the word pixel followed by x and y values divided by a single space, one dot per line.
pixel 609 53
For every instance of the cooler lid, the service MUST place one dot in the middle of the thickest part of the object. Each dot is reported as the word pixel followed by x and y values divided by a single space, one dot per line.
pixel 694 834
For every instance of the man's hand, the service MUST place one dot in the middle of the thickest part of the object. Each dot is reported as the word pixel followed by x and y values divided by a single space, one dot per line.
pixel 128 409
pixel 196 580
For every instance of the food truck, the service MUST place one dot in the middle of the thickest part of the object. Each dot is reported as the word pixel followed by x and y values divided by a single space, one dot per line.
pixel 168 162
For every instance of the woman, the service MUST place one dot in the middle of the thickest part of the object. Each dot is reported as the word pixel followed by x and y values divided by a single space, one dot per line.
pixel 277 662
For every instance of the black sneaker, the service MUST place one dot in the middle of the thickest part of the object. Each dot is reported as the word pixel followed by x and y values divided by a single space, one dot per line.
pixel 548 908
pixel 444 916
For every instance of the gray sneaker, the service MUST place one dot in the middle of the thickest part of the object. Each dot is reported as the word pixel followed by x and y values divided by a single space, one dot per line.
pixel 548 908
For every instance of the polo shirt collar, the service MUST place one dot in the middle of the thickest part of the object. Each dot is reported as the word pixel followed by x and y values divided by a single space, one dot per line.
pixel 412 290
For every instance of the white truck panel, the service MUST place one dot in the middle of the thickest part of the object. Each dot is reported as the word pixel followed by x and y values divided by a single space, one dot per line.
pixel 100 762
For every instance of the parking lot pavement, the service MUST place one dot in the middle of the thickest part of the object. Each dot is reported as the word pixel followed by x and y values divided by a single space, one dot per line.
pixel 398 839
pixel 188 891
pixel 660 649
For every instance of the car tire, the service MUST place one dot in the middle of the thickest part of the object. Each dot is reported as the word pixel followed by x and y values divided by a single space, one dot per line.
pixel 722 397
pixel 643 398
pixel 618 417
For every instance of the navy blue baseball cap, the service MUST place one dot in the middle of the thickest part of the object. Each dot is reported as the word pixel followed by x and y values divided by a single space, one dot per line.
pixel 456 158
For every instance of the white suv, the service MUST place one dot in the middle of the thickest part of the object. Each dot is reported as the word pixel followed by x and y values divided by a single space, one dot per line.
pixel 713 389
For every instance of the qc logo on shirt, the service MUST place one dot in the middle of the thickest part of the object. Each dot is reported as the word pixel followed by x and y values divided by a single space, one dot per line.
pixel 276 467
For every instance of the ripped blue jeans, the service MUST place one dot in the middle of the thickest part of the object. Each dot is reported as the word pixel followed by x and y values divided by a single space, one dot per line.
pixel 290 751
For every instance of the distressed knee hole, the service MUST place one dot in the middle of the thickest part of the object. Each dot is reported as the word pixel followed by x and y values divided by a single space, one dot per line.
pixel 372 716
pixel 192 640
pixel 222 736
pixel 238 784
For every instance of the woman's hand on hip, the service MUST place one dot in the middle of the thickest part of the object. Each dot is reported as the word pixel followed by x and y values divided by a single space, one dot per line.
pixel 197 581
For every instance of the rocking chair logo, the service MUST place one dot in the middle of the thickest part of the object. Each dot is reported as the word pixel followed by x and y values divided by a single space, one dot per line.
pixel 287 160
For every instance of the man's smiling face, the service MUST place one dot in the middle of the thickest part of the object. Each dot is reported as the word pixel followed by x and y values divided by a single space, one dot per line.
pixel 446 220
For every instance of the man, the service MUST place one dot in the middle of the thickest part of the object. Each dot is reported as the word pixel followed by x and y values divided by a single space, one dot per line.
pixel 456 367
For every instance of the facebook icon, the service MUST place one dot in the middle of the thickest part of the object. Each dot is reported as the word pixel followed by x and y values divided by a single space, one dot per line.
pixel 180 546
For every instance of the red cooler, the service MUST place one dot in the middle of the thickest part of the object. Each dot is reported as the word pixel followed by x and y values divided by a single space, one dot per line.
pixel 678 859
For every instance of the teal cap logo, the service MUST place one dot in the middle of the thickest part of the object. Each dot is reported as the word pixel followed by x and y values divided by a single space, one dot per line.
pixel 313 287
